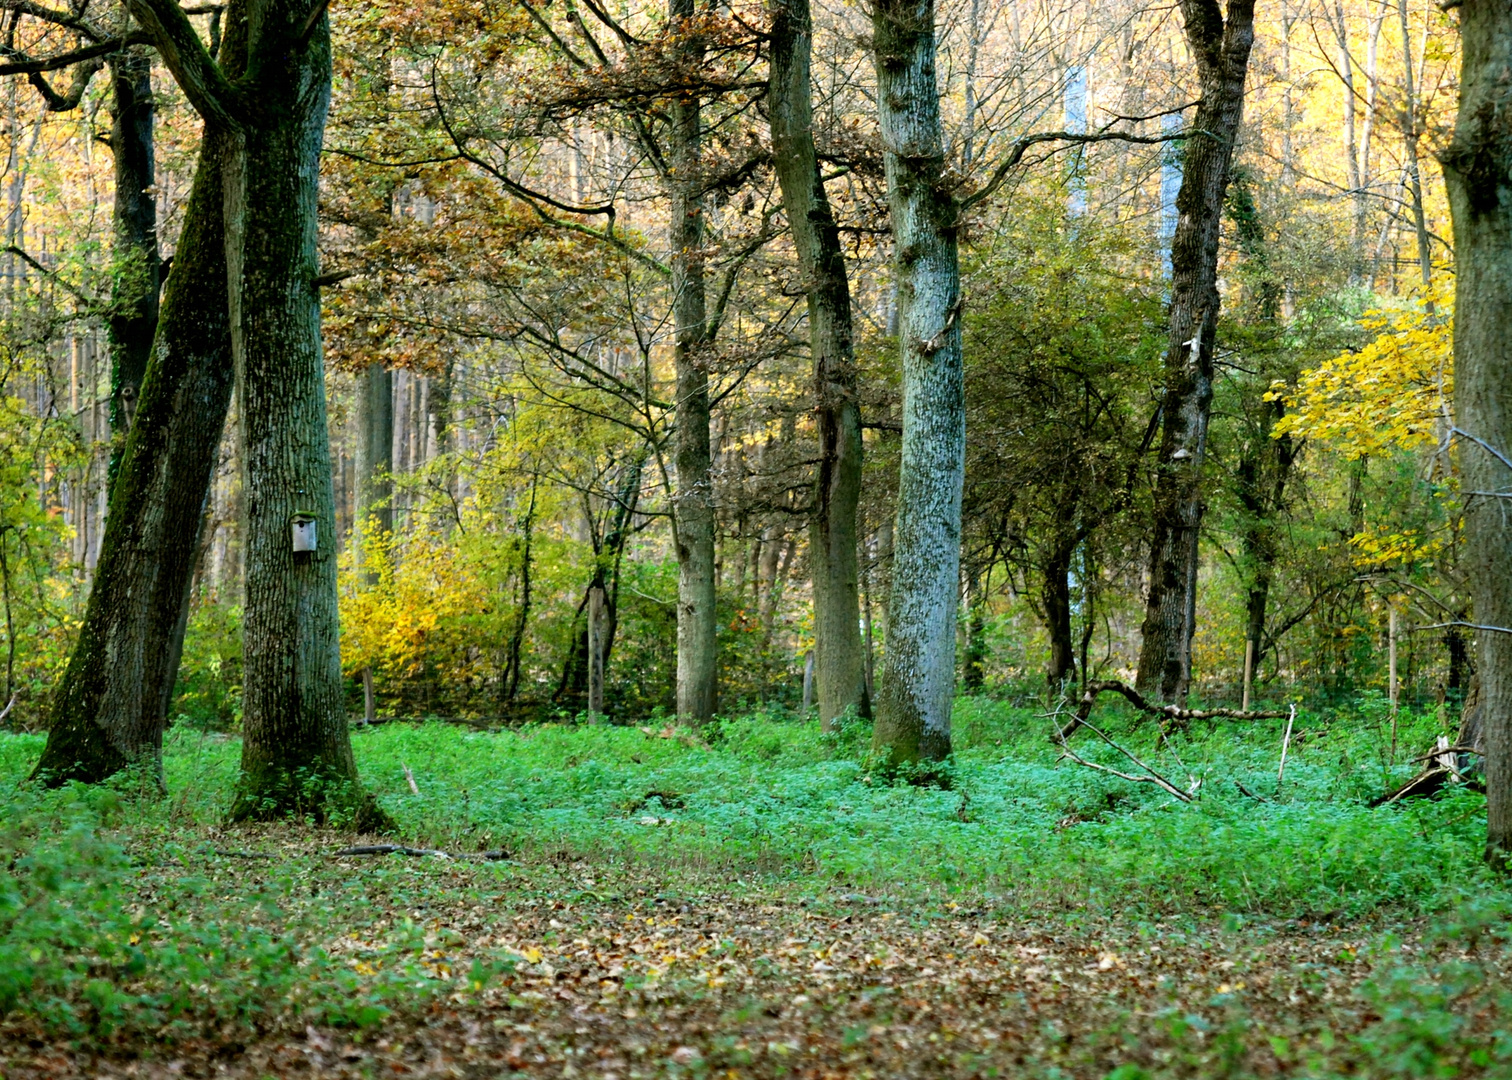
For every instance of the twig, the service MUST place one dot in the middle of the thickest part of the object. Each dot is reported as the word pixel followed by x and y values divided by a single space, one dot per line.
pixel 1446 750
pixel 8 707
pixel 1285 743
pixel 240 854
pixel 1246 791
pixel 410 777
pixel 400 849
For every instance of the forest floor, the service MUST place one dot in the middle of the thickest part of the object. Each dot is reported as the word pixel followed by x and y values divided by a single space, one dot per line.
pixel 759 905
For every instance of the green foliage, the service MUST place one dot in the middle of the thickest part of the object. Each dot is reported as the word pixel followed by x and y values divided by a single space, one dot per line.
pixel 208 694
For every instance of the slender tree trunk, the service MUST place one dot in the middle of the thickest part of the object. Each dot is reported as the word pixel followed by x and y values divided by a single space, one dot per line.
pixel 137 268
pixel 693 506
pixel 974 655
pixel 1412 137
pixel 840 665
pixel 1264 469
pixel 918 669
pixel 1055 594
pixel 1478 171
pixel 1221 49
pixel 110 708
pixel 375 455
pixel 576 672
pixel 296 750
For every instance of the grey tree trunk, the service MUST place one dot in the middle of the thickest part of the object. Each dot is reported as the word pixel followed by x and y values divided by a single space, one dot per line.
pixel 1478 172
pixel 918 668
pixel 839 662
pixel 693 505
pixel 374 421
pixel 1221 49
pixel 110 708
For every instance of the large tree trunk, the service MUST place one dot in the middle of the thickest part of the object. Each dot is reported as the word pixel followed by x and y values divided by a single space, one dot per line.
pixel 137 268
pixel 693 506
pixel 1221 49
pixel 840 664
pixel 1478 173
pixel 296 753
pixel 110 708
pixel 918 670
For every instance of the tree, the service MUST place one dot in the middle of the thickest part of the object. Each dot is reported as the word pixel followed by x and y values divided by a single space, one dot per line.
pixel 1221 47
pixel 1478 172
pixel 110 708
pixel 918 669
pixel 840 665
pixel 270 99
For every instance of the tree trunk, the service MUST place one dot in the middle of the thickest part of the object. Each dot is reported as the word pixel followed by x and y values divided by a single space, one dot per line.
pixel 136 266
pixel 1264 468
pixel 109 710
pixel 1221 49
pixel 918 669
pixel 296 751
pixel 576 672
pixel 1056 595
pixel 693 506
pixel 1478 171
pixel 374 456
pixel 840 664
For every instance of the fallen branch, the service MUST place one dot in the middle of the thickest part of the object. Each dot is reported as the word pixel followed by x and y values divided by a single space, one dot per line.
pixel 1250 794
pixel 1150 777
pixel 400 849
pixel 1170 712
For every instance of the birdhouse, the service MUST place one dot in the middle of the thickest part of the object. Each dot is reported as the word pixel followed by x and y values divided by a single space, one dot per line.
pixel 302 527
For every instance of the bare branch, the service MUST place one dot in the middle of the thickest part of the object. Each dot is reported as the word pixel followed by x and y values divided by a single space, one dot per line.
pixel 213 96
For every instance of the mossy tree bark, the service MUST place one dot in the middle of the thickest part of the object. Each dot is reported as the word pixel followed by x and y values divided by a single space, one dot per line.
pixel 137 267
pixel 111 706
pixel 1478 174
pixel 918 669
pixel 271 99
pixel 839 662
pixel 1221 48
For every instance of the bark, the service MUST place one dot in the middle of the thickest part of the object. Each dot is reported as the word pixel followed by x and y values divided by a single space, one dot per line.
pixel 110 708
pixel 1221 48
pixel 839 663
pixel 1264 469
pixel 693 505
pixel 974 655
pixel 374 456
pixel 1478 172
pixel 296 751
pixel 1412 135
pixel 137 267
pixel 918 669
pixel 1055 594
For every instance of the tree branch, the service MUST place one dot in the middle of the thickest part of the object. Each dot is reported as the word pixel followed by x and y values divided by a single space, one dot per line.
pixel 1135 698
pixel 27 66
pixel 213 96
pixel 1021 146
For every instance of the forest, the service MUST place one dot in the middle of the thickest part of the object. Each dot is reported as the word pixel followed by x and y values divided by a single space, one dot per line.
pixel 756 538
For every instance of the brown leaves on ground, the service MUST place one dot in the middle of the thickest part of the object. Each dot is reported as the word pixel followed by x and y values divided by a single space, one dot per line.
pixel 846 985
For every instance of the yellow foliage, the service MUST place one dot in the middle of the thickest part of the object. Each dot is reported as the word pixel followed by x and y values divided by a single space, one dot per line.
pixel 1391 395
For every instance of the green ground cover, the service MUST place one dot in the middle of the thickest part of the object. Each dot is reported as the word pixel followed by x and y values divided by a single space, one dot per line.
pixel 133 925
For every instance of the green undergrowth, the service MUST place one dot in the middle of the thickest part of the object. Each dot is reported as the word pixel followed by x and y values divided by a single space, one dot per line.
pixel 117 912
